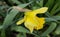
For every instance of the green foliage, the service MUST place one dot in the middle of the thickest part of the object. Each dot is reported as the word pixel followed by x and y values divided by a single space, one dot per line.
pixel 9 17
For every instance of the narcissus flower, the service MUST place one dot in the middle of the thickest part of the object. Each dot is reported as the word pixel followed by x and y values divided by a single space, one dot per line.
pixel 31 21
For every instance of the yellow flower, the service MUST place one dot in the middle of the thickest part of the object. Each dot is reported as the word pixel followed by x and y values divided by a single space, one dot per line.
pixel 31 21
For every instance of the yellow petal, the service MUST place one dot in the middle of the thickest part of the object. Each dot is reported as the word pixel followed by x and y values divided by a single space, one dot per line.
pixel 41 10
pixel 40 25
pixel 20 21
pixel 29 26
pixel 34 12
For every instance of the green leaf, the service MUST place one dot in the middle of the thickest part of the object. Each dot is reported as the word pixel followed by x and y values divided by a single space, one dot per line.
pixel 50 29
pixel 24 5
pixel 20 29
pixel 57 11
pixel 56 17
pixel 9 18
pixel 48 14
pixel 3 33
pixel 1 13
pixel 1 26
pixel 53 18
pixel 50 3
pixel 16 1
pixel 54 9
pixel 57 31
pixel 21 35
pixel 41 3
pixel 50 20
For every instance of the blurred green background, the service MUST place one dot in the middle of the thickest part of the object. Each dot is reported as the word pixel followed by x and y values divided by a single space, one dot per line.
pixel 9 17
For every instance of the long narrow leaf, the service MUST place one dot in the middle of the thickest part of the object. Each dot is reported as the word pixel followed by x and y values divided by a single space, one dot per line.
pixel 50 29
